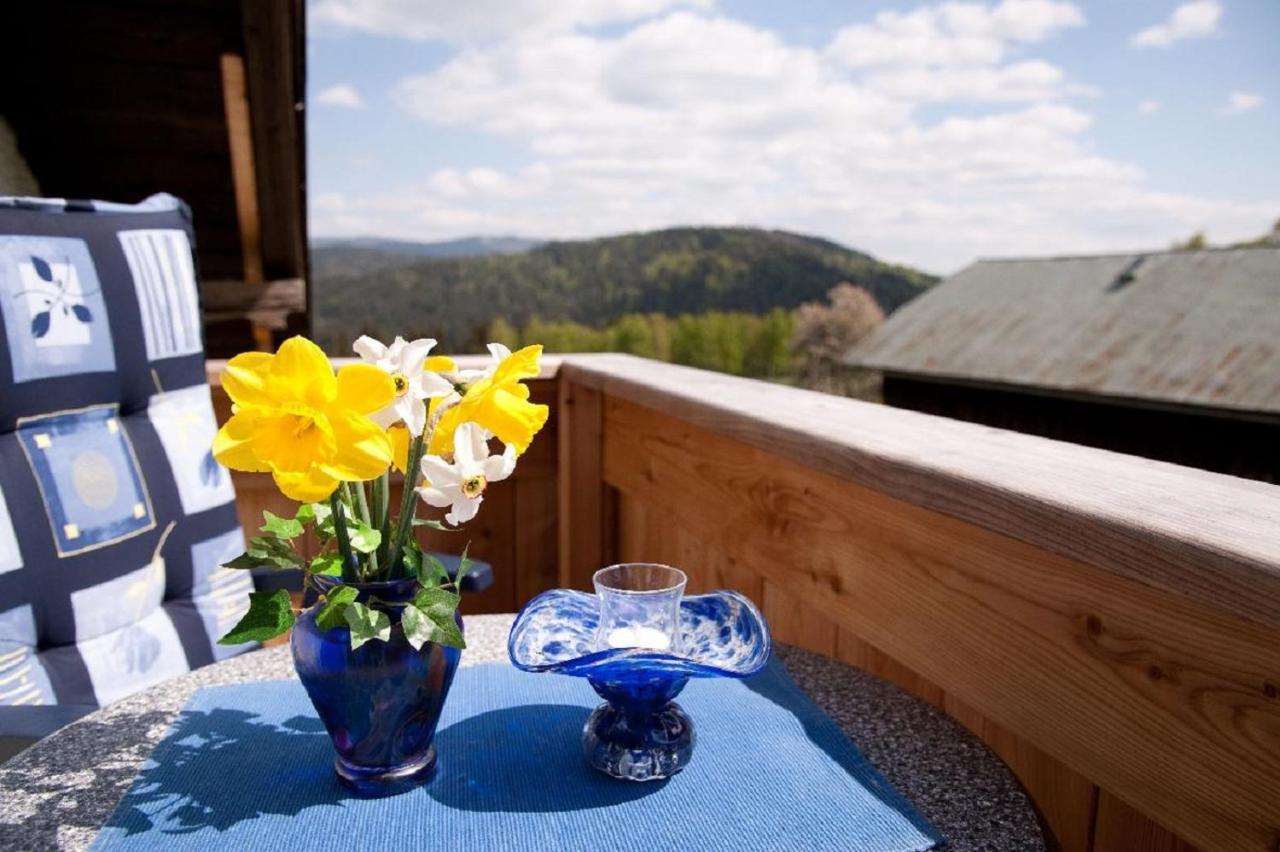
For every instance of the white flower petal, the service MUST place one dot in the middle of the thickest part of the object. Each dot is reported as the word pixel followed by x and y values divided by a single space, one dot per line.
pixel 439 472
pixel 463 511
pixel 499 351
pixel 387 417
pixel 469 449
pixel 369 349
pixel 498 468
pixel 414 353
pixel 432 385
pixel 414 413
pixel 440 497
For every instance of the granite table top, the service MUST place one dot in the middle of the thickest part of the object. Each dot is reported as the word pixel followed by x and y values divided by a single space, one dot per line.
pixel 56 794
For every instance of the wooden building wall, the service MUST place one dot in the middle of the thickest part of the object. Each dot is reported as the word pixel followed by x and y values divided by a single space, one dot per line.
pixel 1222 442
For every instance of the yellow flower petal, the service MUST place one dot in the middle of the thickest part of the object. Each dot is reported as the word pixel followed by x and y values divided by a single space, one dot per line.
pixel 293 442
pixel 311 486
pixel 399 436
pixel 363 449
pixel 302 371
pixel 233 445
pixel 440 364
pixel 245 378
pixel 441 442
pixel 364 388
pixel 522 364
pixel 511 419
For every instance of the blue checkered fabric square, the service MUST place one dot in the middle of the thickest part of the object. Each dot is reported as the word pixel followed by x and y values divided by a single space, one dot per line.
pixel 115 518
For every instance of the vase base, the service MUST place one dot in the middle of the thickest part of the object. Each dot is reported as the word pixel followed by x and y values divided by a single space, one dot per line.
pixel 372 784
pixel 630 747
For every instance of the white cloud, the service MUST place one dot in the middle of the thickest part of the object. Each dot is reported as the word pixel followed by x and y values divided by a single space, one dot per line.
pixel 343 95
pixel 1190 20
pixel 1148 106
pixel 697 119
pixel 470 20
pixel 952 34
pixel 1238 102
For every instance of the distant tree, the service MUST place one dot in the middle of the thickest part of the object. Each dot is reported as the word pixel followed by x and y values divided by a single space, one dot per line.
pixel 768 350
pixel 1196 242
pixel 501 331
pixel 824 334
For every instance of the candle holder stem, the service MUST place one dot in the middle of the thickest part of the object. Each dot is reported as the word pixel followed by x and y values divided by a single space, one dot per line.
pixel 639 733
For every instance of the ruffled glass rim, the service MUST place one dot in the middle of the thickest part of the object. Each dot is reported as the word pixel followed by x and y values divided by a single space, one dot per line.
pixel 723 635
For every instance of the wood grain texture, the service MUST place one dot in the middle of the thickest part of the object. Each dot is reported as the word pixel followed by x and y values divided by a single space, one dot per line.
pixel 244 178
pixel 792 622
pixel 581 486
pixel 1120 828
pixel 1214 539
pixel 856 652
pixel 1166 701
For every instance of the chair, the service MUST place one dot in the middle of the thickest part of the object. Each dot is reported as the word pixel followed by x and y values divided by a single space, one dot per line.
pixel 114 516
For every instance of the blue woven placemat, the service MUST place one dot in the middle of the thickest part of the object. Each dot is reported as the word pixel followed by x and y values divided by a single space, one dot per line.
pixel 250 767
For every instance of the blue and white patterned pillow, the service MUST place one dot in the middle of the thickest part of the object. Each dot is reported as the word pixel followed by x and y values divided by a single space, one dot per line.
pixel 114 516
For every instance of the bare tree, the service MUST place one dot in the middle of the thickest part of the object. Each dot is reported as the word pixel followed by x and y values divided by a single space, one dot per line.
pixel 824 334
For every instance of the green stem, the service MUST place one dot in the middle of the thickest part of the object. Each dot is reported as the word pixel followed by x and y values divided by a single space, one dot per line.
pixel 405 522
pixel 380 509
pixel 344 543
pixel 363 504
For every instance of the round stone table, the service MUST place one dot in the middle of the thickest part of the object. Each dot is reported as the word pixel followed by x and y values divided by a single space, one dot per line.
pixel 57 793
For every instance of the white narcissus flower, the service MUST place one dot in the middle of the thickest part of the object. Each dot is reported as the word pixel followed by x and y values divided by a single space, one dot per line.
pixel 499 352
pixel 460 485
pixel 403 361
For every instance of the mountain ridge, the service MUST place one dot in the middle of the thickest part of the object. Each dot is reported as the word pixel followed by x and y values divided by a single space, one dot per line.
pixel 594 281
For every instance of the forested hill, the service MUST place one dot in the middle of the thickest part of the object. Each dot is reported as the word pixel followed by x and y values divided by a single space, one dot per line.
pixel 675 271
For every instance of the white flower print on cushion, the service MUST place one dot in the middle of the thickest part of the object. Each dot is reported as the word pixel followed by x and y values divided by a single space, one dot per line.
pixel 460 485
pixel 403 361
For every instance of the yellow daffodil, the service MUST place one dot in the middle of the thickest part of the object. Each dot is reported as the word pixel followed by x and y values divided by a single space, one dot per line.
pixel 399 435
pixel 309 428
pixel 498 402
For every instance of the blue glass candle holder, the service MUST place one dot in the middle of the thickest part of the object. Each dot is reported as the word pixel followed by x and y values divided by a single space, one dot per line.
pixel 639 733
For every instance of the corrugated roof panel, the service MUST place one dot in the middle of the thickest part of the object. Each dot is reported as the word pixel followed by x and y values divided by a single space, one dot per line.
pixel 1196 328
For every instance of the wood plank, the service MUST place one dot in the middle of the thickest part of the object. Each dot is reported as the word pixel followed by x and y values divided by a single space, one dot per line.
pixel 276 70
pixel 243 173
pixel 1165 701
pixel 1213 539
pixel 1120 828
pixel 581 485
pixel 1067 801
pixel 791 621
pixel 856 652
pixel 535 536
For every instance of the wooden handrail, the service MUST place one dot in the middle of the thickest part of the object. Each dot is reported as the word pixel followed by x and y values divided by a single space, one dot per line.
pixel 1212 537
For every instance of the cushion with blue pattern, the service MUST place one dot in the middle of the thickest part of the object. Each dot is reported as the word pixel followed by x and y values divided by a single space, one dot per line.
pixel 115 518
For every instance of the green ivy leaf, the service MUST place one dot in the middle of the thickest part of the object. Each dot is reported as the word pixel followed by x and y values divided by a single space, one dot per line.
pixel 464 565
pixel 366 624
pixel 364 538
pixel 269 615
pixel 322 516
pixel 274 552
pixel 333 613
pixel 431 572
pixel 435 624
pixel 306 514
pixel 427 598
pixel 327 564
pixel 433 524
pixel 283 528
pixel 248 559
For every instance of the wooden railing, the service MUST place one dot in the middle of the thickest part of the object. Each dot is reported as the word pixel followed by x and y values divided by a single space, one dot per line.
pixel 1110 626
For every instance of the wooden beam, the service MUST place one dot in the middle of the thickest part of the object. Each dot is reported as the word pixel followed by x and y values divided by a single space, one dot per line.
pixel 582 511
pixel 1209 537
pixel 276 69
pixel 243 173
pixel 1169 703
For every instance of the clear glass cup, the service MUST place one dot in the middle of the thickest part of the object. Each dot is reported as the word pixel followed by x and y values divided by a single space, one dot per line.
pixel 639 606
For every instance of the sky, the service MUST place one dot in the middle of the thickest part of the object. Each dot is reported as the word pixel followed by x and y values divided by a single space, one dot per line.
pixel 924 133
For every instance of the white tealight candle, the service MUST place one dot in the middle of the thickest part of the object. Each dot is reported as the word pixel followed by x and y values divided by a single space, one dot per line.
pixel 638 637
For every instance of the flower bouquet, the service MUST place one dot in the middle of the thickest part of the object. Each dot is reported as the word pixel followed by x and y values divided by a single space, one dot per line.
pixel 378 651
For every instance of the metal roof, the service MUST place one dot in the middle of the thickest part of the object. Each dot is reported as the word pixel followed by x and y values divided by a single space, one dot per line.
pixel 1195 328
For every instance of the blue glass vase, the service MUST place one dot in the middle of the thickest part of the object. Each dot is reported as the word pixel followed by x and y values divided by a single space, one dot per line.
pixel 380 702
pixel 640 733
